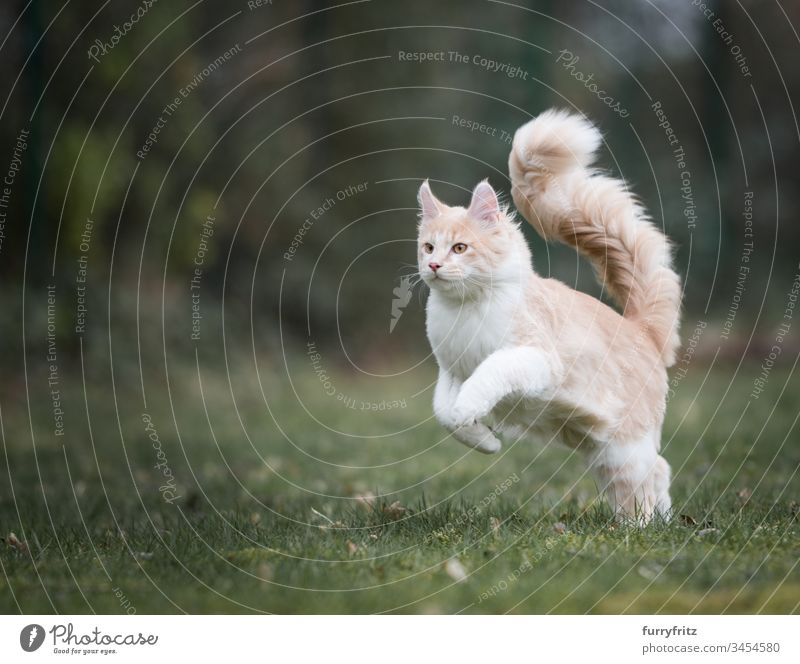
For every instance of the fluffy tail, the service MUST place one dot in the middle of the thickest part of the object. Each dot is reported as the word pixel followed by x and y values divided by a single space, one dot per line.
pixel 563 199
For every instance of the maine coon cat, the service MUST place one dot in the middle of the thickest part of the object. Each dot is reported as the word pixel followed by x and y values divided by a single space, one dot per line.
pixel 525 355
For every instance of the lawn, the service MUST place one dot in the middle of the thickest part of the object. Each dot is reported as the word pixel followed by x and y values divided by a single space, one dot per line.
pixel 321 507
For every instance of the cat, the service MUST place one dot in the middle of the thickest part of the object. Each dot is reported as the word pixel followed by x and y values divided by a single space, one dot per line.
pixel 526 355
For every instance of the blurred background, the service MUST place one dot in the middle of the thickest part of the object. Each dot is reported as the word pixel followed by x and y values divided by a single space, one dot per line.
pixel 209 210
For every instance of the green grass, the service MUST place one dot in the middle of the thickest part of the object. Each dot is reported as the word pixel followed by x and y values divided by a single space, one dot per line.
pixel 288 533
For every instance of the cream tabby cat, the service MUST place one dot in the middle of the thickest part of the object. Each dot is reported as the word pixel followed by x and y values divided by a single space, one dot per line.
pixel 521 354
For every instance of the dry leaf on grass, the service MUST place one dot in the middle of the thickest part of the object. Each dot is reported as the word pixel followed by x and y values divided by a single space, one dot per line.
pixel 328 522
pixel 15 543
pixel 365 500
pixel 455 570
pixel 322 516
pixel 395 510
pixel 650 571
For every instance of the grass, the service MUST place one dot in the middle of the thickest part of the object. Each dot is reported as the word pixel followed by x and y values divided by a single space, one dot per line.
pixel 282 519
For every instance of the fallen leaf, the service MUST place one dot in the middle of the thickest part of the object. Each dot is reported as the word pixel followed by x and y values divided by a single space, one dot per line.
pixel 560 527
pixel 366 500
pixel 650 571
pixel 14 542
pixel 455 570
pixel 395 510
pixel 321 515
pixel 329 523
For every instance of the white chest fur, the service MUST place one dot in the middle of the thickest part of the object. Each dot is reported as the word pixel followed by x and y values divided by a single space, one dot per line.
pixel 463 334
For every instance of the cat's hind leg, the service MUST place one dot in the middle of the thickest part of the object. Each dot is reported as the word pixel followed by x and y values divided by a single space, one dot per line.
pixel 662 475
pixel 634 478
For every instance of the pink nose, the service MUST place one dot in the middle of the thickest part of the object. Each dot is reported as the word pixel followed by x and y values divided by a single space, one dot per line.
pixel 434 266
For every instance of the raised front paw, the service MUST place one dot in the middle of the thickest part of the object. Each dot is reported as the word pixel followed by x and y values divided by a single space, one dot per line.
pixel 479 437
pixel 467 411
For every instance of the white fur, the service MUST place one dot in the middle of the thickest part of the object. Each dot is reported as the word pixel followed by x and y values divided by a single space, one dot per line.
pixel 522 354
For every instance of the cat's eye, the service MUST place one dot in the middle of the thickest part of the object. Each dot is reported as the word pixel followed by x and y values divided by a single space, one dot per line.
pixel 428 247
pixel 459 248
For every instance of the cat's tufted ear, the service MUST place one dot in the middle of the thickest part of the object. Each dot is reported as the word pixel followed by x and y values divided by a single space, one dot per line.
pixel 429 205
pixel 484 205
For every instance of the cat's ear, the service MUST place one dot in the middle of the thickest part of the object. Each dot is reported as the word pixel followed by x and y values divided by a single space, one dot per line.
pixel 484 206
pixel 429 205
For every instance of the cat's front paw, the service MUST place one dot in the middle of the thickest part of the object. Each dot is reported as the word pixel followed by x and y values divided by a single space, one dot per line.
pixel 479 437
pixel 467 412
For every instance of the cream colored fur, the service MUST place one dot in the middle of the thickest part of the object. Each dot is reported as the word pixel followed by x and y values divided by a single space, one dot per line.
pixel 518 353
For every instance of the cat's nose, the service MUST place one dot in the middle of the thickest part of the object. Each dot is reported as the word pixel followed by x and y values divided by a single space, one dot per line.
pixel 434 266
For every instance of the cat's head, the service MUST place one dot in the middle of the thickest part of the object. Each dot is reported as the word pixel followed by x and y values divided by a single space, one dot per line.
pixel 468 251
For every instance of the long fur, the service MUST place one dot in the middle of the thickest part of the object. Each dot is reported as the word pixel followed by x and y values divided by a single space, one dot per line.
pixel 555 189
pixel 521 355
